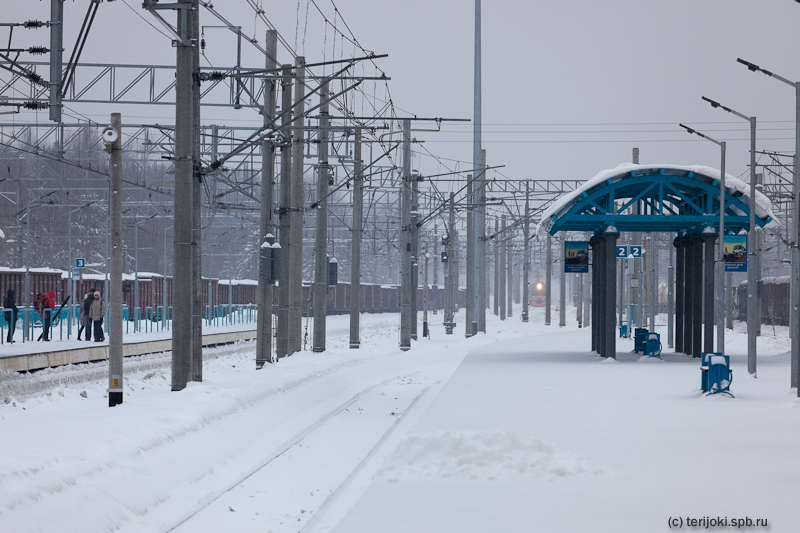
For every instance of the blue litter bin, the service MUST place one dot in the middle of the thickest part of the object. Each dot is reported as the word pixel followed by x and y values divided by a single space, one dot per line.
pixel 704 357
pixel 653 345
pixel 716 373
pixel 639 340
pixel 720 375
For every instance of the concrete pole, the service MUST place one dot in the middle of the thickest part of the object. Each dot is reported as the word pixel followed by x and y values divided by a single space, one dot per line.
pixel 115 384
pixel 653 264
pixel 475 263
pixel 548 291
pixel 481 263
pixel 414 251
pixel 729 300
pixel 425 296
pixel 680 303
pixel 355 268
pixel 697 299
pixel 135 278
pixel 183 215
pixel 321 233
pixel 164 285
pixel 594 267
pixel 405 239
pixel 794 330
pixel 601 310
pixel 266 223
pixel 610 279
pixel 636 272
pixel 562 290
pixel 295 343
pixel 450 288
pixel 671 298
pixel 708 290
pixel 721 254
pixel 503 280
pixel 56 60
pixel 752 269
pixel 587 301
pixel 197 210
pixel 526 252
pixel 496 271
pixel 436 257
pixel 471 286
pixel 282 340
pixel 509 276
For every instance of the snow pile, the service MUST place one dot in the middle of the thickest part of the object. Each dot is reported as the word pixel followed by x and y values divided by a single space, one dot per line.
pixel 482 455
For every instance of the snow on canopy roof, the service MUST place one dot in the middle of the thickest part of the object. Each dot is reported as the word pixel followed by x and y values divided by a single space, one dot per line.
pixel 732 184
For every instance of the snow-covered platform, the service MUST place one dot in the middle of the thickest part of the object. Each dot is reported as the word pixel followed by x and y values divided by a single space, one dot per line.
pixel 536 435
pixel 21 357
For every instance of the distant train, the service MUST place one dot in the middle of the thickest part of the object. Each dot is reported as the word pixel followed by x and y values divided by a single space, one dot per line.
pixel 538 294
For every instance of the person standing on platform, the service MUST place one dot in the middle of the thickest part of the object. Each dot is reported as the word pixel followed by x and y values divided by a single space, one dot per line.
pixel 48 304
pixel 10 305
pixel 97 313
pixel 86 320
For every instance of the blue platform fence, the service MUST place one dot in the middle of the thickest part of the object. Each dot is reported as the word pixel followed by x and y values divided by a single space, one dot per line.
pixel 137 320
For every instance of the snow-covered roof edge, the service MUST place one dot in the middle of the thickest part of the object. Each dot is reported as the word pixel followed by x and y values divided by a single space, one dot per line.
pixel 732 183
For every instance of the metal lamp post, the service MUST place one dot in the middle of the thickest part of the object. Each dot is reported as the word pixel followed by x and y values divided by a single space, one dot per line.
pixel 794 329
pixel 753 270
pixel 721 244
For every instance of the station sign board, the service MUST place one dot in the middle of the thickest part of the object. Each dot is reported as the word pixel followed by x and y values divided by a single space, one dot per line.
pixel 734 253
pixel 576 256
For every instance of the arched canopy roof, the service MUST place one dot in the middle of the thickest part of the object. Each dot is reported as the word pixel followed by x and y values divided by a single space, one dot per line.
pixel 668 198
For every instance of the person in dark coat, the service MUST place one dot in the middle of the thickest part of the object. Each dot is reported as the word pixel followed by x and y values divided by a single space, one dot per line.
pixel 10 305
pixel 98 313
pixel 86 322
pixel 48 304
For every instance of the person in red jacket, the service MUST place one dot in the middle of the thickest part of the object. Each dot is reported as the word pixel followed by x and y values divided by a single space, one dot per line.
pixel 48 304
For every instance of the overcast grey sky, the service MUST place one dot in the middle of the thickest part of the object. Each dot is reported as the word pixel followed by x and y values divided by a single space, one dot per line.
pixel 569 87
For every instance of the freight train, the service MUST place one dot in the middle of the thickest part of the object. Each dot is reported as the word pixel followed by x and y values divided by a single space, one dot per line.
pixel 774 298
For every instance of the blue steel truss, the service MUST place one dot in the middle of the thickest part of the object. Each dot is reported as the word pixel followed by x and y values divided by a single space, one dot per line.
pixel 668 199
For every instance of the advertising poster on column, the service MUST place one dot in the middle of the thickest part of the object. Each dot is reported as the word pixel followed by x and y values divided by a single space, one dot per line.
pixel 576 256
pixel 735 253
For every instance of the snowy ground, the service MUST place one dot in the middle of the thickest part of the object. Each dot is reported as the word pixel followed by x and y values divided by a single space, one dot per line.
pixel 520 430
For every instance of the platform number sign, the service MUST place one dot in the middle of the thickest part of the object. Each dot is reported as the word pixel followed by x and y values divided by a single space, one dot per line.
pixel 622 251
pixel 636 251
pixel 80 262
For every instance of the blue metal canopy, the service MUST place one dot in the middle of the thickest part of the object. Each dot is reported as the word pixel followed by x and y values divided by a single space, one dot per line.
pixel 656 198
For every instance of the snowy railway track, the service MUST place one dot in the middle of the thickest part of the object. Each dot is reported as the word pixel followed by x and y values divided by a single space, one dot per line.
pixel 185 524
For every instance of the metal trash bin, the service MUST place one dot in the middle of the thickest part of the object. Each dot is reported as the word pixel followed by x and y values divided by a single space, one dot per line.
pixel 653 345
pixel 639 340
pixel 704 357
pixel 716 373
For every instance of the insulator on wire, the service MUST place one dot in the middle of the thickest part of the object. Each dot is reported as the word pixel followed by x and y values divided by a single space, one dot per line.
pixel 33 24
pixel 34 104
pixel 38 50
